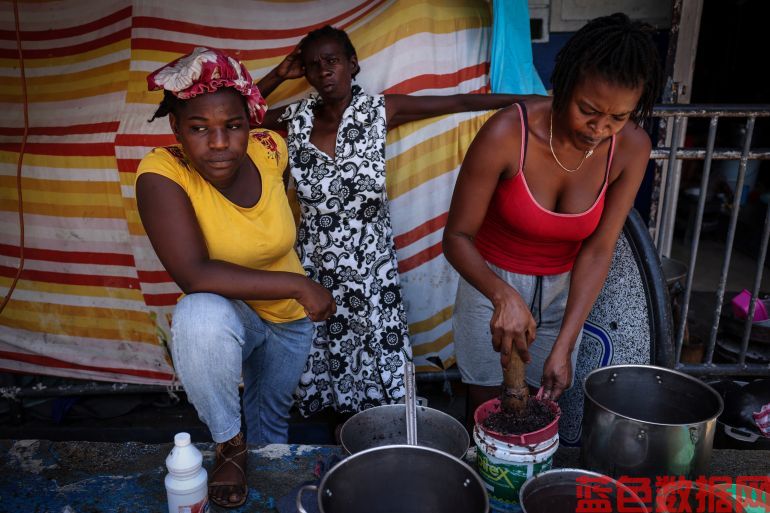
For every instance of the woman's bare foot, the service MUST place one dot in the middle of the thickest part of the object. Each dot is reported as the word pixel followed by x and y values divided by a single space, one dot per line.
pixel 227 485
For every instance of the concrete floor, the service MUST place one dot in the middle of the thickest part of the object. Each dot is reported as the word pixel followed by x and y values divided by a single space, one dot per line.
pixel 68 477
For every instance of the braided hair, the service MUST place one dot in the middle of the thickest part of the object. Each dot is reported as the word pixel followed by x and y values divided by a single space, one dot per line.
pixel 169 104
pixel 335 34
pixel 617 49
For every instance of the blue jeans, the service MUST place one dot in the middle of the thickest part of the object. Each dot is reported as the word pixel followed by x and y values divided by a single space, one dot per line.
pixel 215 340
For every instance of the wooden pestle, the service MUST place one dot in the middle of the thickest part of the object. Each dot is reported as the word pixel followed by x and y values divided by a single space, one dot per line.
pixel 515 389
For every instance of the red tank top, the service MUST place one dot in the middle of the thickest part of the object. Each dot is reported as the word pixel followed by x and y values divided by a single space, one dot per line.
pixel 521 236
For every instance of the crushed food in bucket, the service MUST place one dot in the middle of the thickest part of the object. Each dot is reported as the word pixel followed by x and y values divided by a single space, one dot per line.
pixel 535 416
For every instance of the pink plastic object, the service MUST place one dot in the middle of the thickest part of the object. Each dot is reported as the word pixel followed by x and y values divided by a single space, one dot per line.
pixel 741 304
pixel 535 437
pixel 762 419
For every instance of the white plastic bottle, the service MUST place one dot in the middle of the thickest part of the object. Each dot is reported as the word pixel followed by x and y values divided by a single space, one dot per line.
pixel 186 481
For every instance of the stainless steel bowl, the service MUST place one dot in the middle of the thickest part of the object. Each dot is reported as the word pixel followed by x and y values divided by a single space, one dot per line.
pixel 386 425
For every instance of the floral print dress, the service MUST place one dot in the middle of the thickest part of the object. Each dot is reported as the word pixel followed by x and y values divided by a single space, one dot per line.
pixel 345 242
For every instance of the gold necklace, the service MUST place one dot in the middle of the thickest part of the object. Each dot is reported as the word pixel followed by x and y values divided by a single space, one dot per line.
pixel 550 144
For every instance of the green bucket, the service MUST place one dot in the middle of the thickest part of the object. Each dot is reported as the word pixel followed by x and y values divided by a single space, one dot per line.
pixel 752 500
pixel 505 466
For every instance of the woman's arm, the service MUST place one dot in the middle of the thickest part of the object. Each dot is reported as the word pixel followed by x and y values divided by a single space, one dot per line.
pixel 289 68
pixel 403 108
pixel 169 220
pixel 483 167
pixel 593 260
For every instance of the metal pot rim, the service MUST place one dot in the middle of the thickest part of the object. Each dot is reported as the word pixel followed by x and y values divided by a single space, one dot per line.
pixel 398 406
pixel 557 471
pixel 661 369
pixel 474 474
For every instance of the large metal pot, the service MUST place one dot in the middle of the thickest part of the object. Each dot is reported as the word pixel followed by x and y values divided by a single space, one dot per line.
pixel 646 421
pixel 399 478
pixel 741 399
pixel 558 491
pixel 386 425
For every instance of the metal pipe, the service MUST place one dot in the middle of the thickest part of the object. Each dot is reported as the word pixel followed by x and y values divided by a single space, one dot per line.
pixel 104 388
pixel 671 194
pixel 664 153
pixel 451 374
pixel 724 369
pixel 410 401
pixel 755 289
pixel 730 239
pixel 659 186
pixel 94 388
pixel 696 236
pixel 707 111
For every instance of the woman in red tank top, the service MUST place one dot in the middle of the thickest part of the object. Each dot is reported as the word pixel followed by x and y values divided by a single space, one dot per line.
pixel 546 186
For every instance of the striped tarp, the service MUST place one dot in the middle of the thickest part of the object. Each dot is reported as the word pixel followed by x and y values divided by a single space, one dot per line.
pixel 93 300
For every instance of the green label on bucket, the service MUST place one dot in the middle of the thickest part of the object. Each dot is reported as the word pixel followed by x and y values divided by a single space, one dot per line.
pixel 504 478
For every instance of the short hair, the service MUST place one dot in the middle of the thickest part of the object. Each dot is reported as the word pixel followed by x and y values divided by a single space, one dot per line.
pixel 619 50
pixel 335 34
pixel 172 104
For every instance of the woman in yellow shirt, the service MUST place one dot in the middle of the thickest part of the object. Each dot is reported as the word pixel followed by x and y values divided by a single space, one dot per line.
pixel 215 209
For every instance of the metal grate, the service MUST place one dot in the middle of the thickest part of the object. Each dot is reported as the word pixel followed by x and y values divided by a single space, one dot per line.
pixel 666 213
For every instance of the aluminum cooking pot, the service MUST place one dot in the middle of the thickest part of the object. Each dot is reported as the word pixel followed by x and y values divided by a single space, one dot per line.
pixel 402 479
pixel 646 421
pixel 736 421
pixel 386 425
pixel 558 491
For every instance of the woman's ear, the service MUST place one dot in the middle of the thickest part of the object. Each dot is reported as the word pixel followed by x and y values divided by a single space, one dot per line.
pixel 355 66
pixel 174 124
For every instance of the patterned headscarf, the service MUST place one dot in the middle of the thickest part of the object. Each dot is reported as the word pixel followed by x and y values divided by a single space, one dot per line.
pixel 204 71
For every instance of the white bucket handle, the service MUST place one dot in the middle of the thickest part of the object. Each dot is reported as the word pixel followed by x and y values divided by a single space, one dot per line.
pixel 299 496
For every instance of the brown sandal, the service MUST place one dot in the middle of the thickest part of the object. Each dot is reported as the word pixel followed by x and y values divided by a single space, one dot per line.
pixel 237 444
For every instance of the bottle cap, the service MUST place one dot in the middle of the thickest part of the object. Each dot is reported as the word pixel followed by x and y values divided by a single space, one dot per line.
pixel 184 456
pixel 182 439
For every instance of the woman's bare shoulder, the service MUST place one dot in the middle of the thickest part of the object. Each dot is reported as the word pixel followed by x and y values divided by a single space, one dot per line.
pixel 634 141
pixel 632 151
pixel 505 123
pixel 495 150
pixel 505 126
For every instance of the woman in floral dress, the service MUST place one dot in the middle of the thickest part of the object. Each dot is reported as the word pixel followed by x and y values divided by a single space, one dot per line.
pixel 336 141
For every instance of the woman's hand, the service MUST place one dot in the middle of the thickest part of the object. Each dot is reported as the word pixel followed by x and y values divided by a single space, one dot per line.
pixel 291 66
pixel 512 327
pixel 317 301
pixel 557 374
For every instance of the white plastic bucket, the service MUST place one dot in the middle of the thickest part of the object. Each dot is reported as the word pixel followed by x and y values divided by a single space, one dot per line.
pixel 504 467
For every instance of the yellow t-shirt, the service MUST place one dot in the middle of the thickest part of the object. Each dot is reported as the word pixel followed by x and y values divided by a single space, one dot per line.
pixel 260 237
